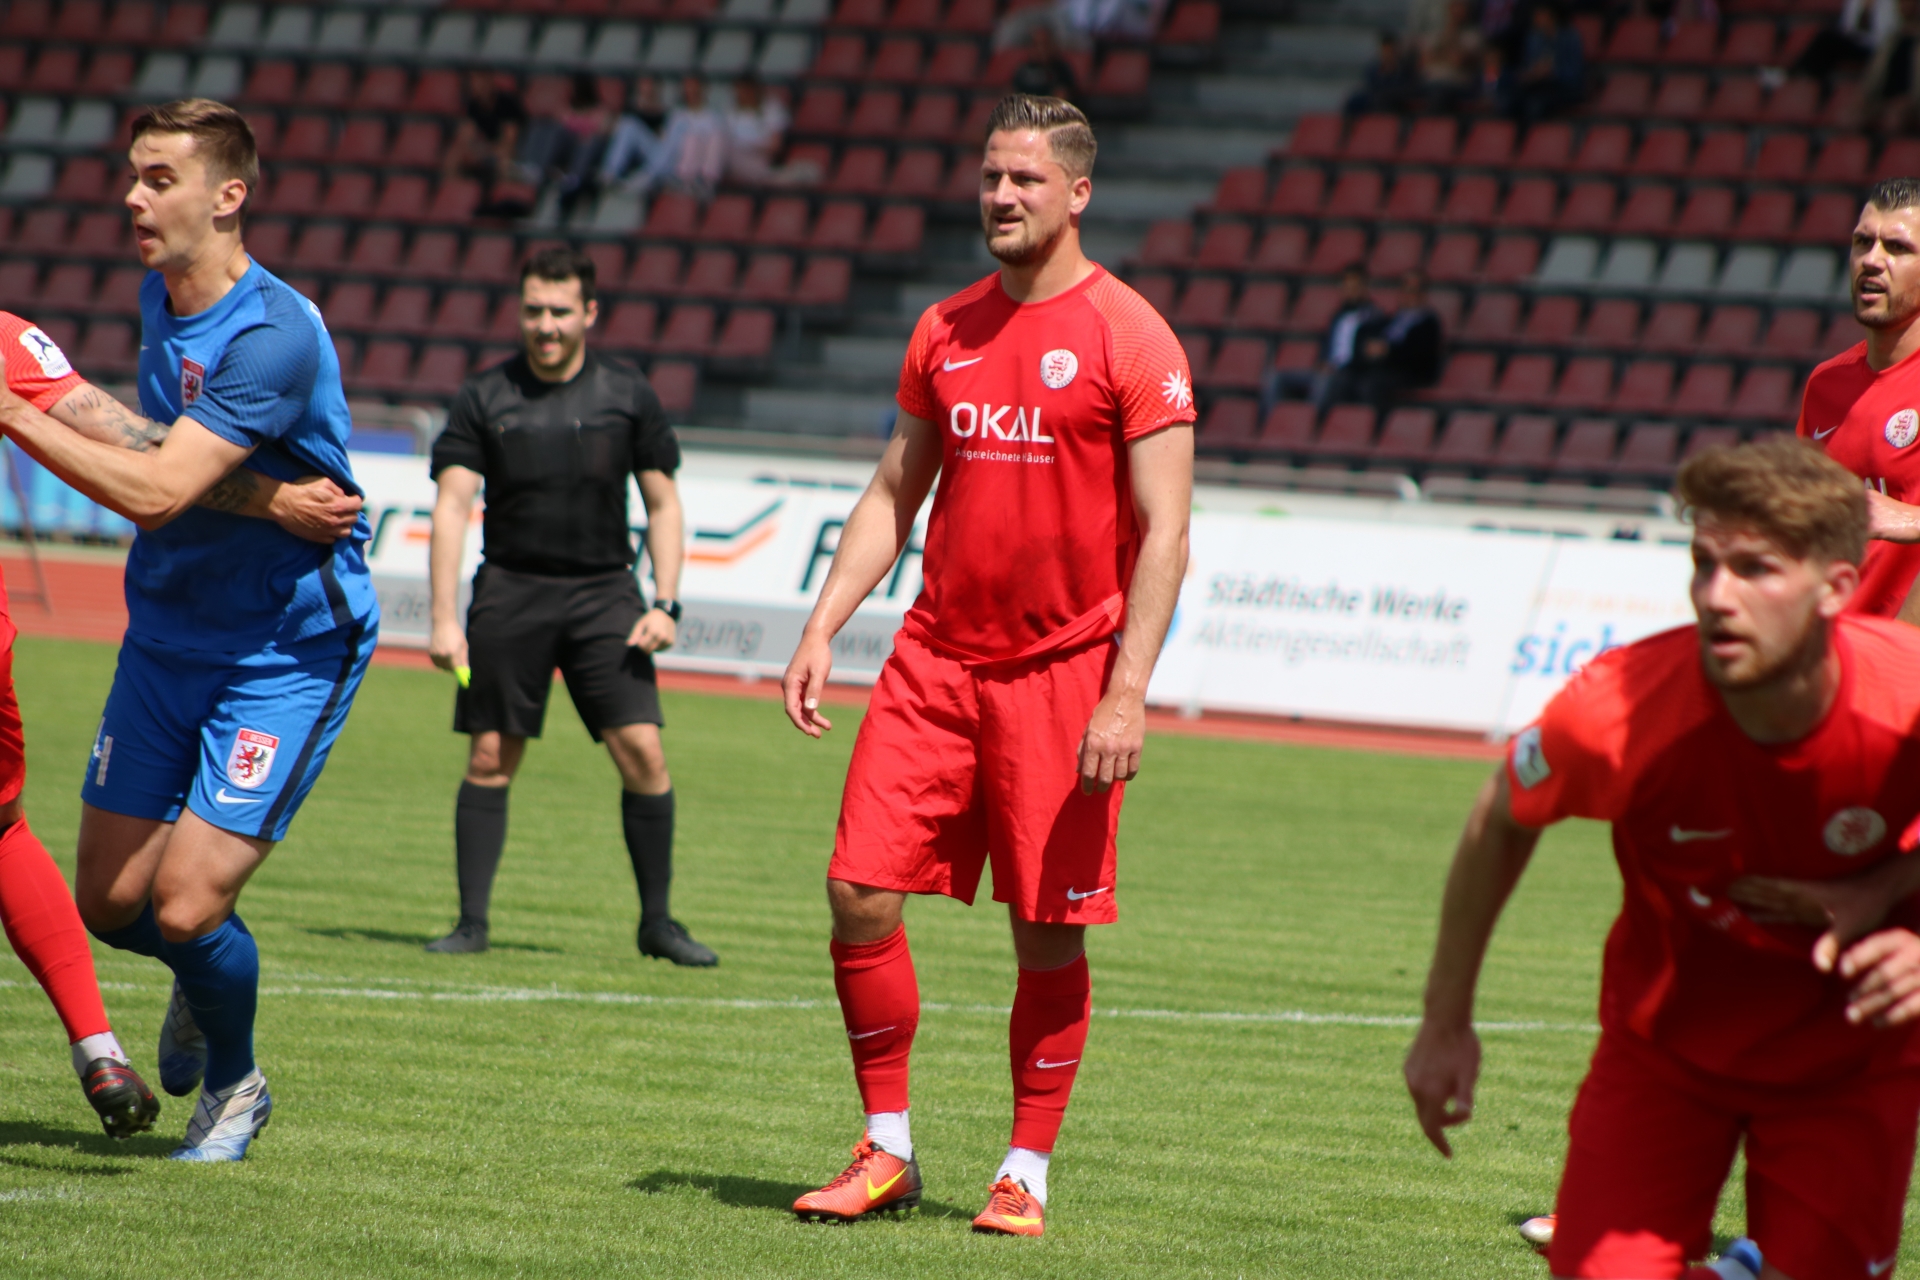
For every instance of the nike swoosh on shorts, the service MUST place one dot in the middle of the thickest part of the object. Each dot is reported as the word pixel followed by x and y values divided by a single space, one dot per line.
pixel 222 796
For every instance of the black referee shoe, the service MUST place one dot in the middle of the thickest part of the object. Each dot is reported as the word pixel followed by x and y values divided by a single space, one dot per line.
pixel 467 936
pixel 669 940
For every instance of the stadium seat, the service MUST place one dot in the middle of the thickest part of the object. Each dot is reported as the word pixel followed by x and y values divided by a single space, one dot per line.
pixel 1407 436
pixel 1288 429
pixel 1526 444
pixel 1313 309
pixel 68 287
pixel 1701 439
pixel 631 326
pixel 1415 197
pixel 1552 321
pixel 1431 140
pixel 1808 274
pixel 1648 451
pixel 462 314
pixel 1587 383
pixel 954 64
pixel 1395 253
pixel 417 145
pixel 1589 207
pixel 729 218
pixel 1511 260
pixel 862 171
pixel 1283 249
pixel 322 246
pixel 1237 365
pixel 1704 391
pixel 1750 43
pixel 1900 158
pixel 1347 432
pixel 1157 288
pixel 1733 330
pixel 933 118
pixel 768 278
pixel 673 216
pixel 1587 449
pixel 1372 139
pixel 1681 96
pixel 1634 39
pixel 1626 93
pixel 1648 211
pixel 1230 421
pixel 897 61
pixel 328 86
pixel 387 366
pixel 1469 376
pixel 432 255
pixel 689 330
pixel 1663 153
pixel 1767 393
pixel 1337 249
pixel 442 368
pixel 1795 104
pixel 1672 327
pixel 1612 325
pixel 1646 386
pixel 110 348
pixel 1531 203
pixel 135 22
pixel 99 235
pixel 841 57
pixel 1225 247
pixel 1721 154
pixel 349 195
pixel 876 113
pixel 1749 269
pixel 897 233
pixel 349 306
pixel 1629 264
pixel 376 251
pixel 675 382
pixel 1782 158
pixel 1316 137
pixel 1843 162
pixel 1357 195
pixel 1737 100
pixel 1707 214
pixel 1262 306
pixel 920 172
pixel 1298 194
pixel 1454 259
pixel 1842 332
pixel 1688 268
pixel 746 338
pixel 489 260
pixel 1494 319
pixel 1526 379
pixel 1828 218
pixel 1472 201
pixel 656 270
pixel 406 309
pixel 269 240
pixel 1204 304
pixel 1467 440
pixel 1546 146
pixel 119 293
pixel 1242 189
pixel 711 274
pixel 1489 145
pixel 1168 243
pixel 1606 148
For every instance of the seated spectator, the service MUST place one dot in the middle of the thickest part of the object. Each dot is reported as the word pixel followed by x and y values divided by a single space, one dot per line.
pixel 1109 20
pixel 1389 81
pixel 692 154
pixel 1863 27
pixel 756 132
pixel 636 135
pixel 1045 73
pixel 579 142
pixel 1401 352
pixel 1551 75
pixel 1449 59
pixel 1336 376
pixel 488 138
pixel 1890 91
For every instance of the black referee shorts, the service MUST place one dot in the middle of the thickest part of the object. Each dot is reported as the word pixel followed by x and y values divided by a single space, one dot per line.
pixel 521 626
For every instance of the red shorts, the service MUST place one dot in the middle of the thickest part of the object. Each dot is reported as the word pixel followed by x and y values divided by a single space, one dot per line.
pixel 955 765
pixel 1653 1140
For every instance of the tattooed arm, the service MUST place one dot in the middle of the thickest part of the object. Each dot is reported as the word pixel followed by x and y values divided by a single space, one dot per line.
pixel 313 508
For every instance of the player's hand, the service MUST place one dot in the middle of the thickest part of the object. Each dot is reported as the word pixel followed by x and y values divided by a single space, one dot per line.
pixel 655 631
pixel 447 646
pixel 1846 909
pixel 1891 520
pixel 1885 970
pixel 1110 748
pixel 314 508
pixel 1441 1069
pixel 805 680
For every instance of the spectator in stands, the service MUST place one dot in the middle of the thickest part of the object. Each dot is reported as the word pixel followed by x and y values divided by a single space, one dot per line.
pixel 1848 45
pixel 579 142
pixel 1045 73
pixel 1389 81
pixel 756 132
pixel 1890 91
pixel 636 135
pixel 1551 75
pixel 1449 59
pixel 692 154
pixel 1401 352
pixel 1337 374
pixel 489 136
pixel 1504 25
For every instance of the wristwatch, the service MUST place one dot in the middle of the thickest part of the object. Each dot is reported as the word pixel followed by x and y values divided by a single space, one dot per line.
pixel 669 607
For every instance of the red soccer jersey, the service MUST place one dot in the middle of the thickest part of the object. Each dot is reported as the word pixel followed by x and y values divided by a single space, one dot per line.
pixel 1032 538
pixel 1869 422
pixel 37 370
pixel 1640 739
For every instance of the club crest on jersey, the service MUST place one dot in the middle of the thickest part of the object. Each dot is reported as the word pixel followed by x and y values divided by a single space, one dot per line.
pixel 1057 368
pixel 46 353
pixel 1529 760
pixel 193 380
pixel 1856 830
pixel 1903 428
pixel 251 759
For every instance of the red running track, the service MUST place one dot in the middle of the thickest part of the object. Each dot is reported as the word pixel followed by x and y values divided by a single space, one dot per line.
pixel 88 605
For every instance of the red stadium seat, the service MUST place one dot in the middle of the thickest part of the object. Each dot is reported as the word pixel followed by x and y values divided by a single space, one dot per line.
pixel 975 17
pixel 842 226
pixel 462 314
pixel 381 89
pixel 1900 159
pixel 689 330
pixel 1238 365
pixel 1766 394
pixel 1168 243
pixel 1526 379
pixel 185 24
pixel 44 232
pixel 1693 43
pixel 1648 451
pixel 1647 212
pixel 1288 429
pixel 768 278
pixel 1123 74
pixel 322 246
pixel 1645 387
pixel 1750 43
pixel 1782 158
pixel 746 338
pixel 1193 22
pixel 1531 203
pixel 109 348
pixel 1495 318
pixel 349 306
pixel 1731 331
pixel 407 309
pixel 1489 145
pixel 1722 154
pixel 1373 138
pixel 862 171
pixel 433 255
pixel 1511 260
pixel 134 22
pixel 1626 93
pixel 876 114
pixel 1612 325
pixel 1455 258
pixel 362 141
pixel 403 198
pixel 387 366
pixel 376 251
pixel 1672 328
pixel 841 57
pixel 1768 215
pixel 822 109
pixel 1337 249
pixel 109 72
pixel 955 64
pixel 99 235
pixel 1553 321
pixel 1707 215
pixel 1842 332
pixel 675 382
pixel 1587 449
pixel 897 61
pixel 1701 439
pixel 1231 421
pixel 1406 437
pixel 1606 148
pixel 1199 352
pixel 68 287
pixel 1828 218
pixel 934 116
pixel 1737 100
pixel 1297 355
pixel 783 223
pixel 418 145
pixel 328 86
pixel 1587 383
pixel 1346 433
pixel 1634 39
pixel 1704 392
pixel 1526 444
pixel 915 15
pixel 1356 195
pixel 919 172
pixel 1262 306
pixel 1225 247
pixel 1471 201
pixel 1242 189
pixel 1663 153
pixel 1316 137
pixel 1313 309
pixel 1468 376
pixel 1794 104
pixel 673 217
pixel 1467 440
pixel 1431 140
pixel 631 326
pixel 1547 146
pixel 1298 194
pixel 1395 253
pixel 898 232
pixel 490 260
pixel 83 180
pixel 1415 197
pixel 349 195
pixel 119 293
pixel 1843 161
pixel 711 274
pixel 1682 96
pixel 441 370
pixel 308 138
pixel 1156 288
pixel 1589 207
pixel 55 71
pixel 454 200
pixel 656 270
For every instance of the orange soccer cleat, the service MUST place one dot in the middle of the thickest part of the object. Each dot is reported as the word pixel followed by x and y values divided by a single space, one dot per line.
pixel 1012 1210
pixel 876 1182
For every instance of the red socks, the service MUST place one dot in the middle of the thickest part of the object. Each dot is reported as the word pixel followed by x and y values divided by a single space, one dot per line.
pixel 1047 1034
pixel 44 927
pixel 880 1001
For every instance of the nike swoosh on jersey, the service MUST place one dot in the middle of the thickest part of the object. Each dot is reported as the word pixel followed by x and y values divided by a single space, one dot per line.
pixel 867 1035
pixel 222 796
pixel 1883 1266
pixel 1044 1065
pixel 950 365
pixel 874 1193
pixel 1822 435
pixel 1075 897
pixel 1680 835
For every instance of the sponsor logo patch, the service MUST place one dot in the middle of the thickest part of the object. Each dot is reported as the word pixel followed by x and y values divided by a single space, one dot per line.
pixel 1529 761
pixel 1903 428
pixel 46 353
pixel 193 380
pixel 1058 367
pixel 251 759
pixel 1177 390
pixel 1854 831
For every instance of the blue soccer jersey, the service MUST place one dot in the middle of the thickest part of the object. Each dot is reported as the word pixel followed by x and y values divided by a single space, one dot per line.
pixel 256 368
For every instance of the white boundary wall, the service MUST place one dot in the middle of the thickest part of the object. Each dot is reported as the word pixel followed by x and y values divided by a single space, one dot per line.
pixel 1374 611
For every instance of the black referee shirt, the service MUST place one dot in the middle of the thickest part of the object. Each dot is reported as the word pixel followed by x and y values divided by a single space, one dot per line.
pixel 556 457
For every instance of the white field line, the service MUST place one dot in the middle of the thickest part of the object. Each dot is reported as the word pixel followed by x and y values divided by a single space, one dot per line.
pixel 549 995
pixel 40 1193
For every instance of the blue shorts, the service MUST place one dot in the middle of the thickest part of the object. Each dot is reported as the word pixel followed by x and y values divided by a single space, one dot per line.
pixel 238 738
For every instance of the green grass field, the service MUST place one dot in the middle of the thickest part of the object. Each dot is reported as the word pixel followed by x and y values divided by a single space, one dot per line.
pixel 561 1107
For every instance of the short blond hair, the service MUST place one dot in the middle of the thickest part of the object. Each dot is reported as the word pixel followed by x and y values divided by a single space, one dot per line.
pixel 222 137
pixel 1783 488
pixel 1068 133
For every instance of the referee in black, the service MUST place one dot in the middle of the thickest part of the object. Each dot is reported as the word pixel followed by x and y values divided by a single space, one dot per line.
pixel 554 433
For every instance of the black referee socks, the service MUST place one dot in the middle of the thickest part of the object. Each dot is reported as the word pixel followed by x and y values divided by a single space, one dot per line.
pixel 648 823
pixel 479 835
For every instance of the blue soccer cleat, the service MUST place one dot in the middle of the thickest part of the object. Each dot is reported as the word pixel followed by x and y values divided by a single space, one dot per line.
pixel 1742 1253
pixel 183 1048
pixel 225 1123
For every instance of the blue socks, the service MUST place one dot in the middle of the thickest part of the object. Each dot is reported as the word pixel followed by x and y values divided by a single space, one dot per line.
pixel 219 975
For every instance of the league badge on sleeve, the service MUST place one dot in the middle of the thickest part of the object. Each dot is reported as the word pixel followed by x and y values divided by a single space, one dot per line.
pixel 1529 760
pixel 251 759
pixel 193 380
pixel 46 353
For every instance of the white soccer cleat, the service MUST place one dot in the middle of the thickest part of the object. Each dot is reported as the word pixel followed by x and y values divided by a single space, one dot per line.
pixel 183 1048
pixel 224 1124
pixel 1538 1232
